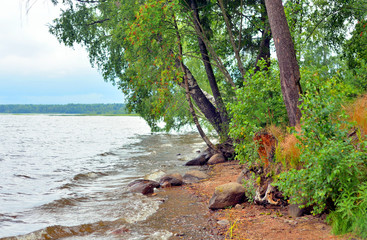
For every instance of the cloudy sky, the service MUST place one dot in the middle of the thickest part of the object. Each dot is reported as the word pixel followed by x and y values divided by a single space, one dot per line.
pixel 36 69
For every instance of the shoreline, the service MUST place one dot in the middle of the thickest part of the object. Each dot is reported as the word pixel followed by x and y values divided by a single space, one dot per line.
pixel 251 221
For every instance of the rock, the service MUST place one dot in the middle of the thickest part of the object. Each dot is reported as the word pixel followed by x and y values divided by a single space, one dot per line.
pixel 224 222
pixel 294 210
pixel 216 158
pixel 238 206
pixel 155 176
pixel 227 195
pixel 143 186
pixel 168 180
pixel 201 159
pixel 194 176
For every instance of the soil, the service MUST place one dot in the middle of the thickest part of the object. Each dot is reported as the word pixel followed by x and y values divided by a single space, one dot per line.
pixel 250 221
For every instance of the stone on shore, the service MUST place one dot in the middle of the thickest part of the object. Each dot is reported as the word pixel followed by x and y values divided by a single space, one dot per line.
pixel 295 211
pixel 202 159
pixel 216 158
pixel 168 180
pixel 194 176
pixel 143 186
pixel 155 176
pixel 227 195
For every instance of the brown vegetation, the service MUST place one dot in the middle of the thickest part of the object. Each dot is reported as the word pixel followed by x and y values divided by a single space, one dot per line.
pixel 358 113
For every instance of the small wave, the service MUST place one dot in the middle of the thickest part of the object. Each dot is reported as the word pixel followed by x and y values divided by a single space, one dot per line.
pixel 67 186
pixel 89 175
pixel 107 154
pixel 9 218
pixel 23 176
pixel 140 209
pixel 57 231
pixel 167 145
pixel 63 202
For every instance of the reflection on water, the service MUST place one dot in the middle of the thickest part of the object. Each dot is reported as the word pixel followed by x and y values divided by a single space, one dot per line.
pixel 66 176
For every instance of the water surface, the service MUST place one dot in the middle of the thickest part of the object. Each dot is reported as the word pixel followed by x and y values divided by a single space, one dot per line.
pixel 67 176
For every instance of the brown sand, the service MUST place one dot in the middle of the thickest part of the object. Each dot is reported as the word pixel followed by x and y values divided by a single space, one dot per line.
pixel 250 221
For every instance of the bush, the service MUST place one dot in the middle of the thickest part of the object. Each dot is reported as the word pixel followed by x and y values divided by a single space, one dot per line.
pixel 259 104
pixel 332 167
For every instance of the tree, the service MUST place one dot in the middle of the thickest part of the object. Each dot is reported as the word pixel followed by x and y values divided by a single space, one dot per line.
pixel 134 45
pixel 288 65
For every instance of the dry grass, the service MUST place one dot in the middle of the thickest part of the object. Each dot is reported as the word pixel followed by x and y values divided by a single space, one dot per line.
pixel 289 151
pixel 358 113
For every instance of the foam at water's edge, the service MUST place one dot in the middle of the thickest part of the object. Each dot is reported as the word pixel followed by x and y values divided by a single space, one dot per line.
pixel 141 209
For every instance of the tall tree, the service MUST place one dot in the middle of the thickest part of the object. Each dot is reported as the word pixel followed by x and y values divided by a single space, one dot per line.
pixel 288 65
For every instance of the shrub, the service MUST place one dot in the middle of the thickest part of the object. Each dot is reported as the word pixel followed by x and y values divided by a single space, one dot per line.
pixel 332 168
pixel 351 212
pixel 259 104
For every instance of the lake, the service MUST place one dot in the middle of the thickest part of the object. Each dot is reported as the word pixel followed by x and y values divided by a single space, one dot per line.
pixel 66 176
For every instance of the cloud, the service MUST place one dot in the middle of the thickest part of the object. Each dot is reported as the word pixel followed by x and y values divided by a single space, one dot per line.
pixel 27 48
pixel 36 68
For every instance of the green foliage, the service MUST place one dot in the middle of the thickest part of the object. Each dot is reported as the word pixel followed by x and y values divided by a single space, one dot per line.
pixel 259 103
pixel 332 167
pixel 250 187
pixel 351 212
pixel 355 49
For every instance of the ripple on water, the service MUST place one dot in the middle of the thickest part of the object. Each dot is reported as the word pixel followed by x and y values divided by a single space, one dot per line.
pixel 88 175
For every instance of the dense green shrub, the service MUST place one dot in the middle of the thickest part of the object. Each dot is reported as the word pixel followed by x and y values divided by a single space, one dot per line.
pixel 333 173
pixel 259 104
pixel 351 212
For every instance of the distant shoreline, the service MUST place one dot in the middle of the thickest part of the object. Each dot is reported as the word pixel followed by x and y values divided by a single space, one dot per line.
pixel 75 114
pixel 111 109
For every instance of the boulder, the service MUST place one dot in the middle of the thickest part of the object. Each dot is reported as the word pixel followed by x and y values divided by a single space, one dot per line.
pixel 201 159
pixel 227 195
pixel 143 186
pixel 194 176
pixel 155 176
pixel 295 211
pixel 216 158
pixel 168 180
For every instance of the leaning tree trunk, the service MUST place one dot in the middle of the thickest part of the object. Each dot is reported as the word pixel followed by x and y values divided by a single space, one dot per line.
pixel 288 65
pixel 209 71
pixel 187 93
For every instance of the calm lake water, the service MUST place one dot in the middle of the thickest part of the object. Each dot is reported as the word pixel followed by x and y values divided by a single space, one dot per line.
pixel 66 176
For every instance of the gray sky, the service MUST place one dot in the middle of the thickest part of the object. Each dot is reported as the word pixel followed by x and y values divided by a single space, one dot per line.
pixel 35 68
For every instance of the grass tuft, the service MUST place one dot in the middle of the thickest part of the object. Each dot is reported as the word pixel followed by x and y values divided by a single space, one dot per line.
pixel 358 113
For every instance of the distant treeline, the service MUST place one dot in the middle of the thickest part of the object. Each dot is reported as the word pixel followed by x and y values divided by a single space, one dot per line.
pixel 65 109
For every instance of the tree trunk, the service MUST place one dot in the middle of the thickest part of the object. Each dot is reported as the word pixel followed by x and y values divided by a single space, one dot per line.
pixel 288 65
pixel 209 71
pixel 187 93
pixel 264 47
pixel 203 103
